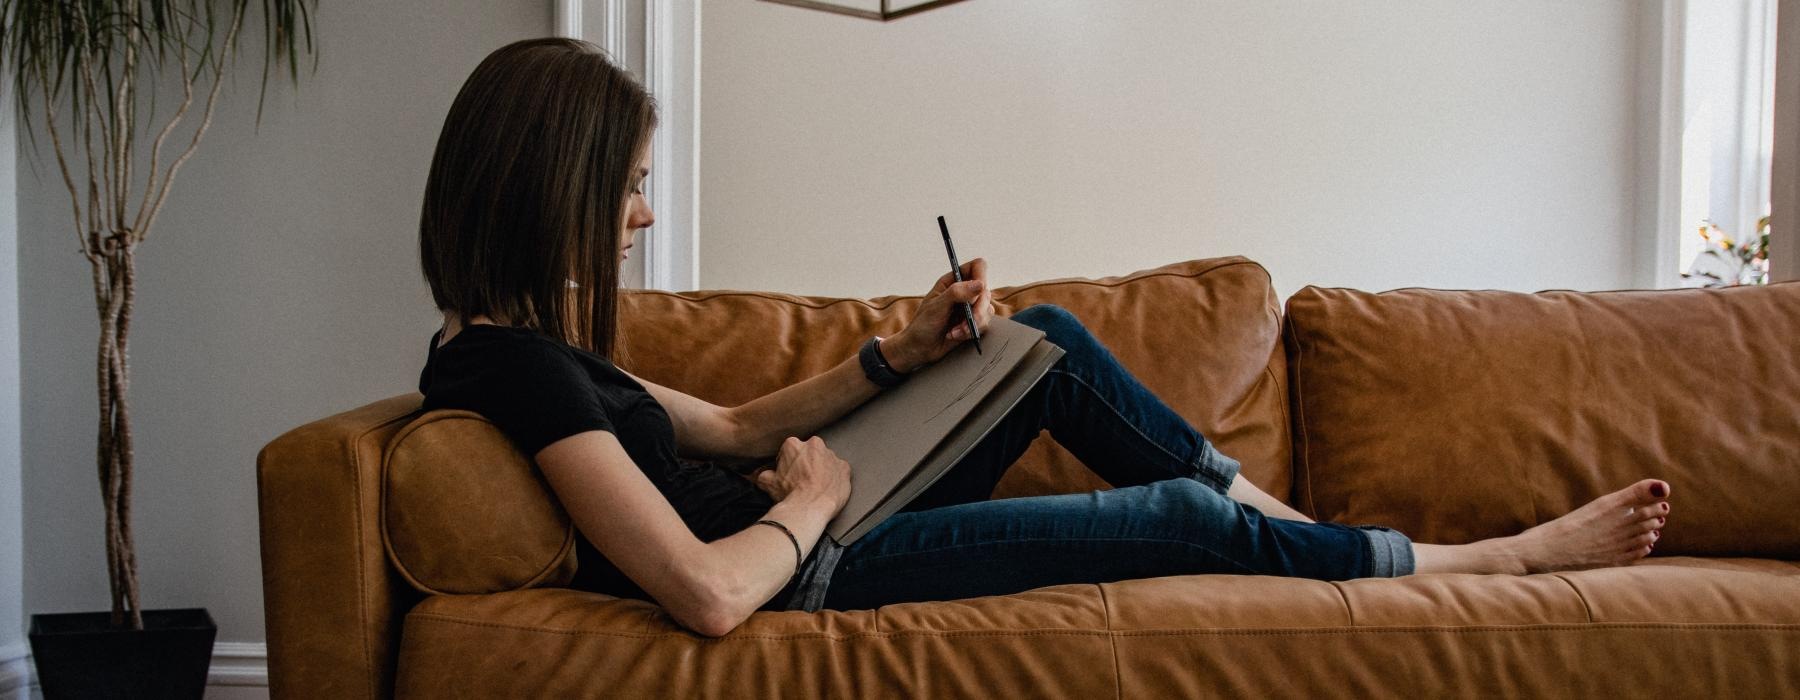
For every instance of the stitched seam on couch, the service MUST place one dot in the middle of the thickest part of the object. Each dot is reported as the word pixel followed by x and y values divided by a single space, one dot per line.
pixel 563 552
pixel 803 300
pixel 1112 644
pixel 1301 457
pixel 1051 632
pixel 1349 612
pixel 1585 608
pixel 362 585
pixel 1287 419
pixel 1564 292
pixel 867 562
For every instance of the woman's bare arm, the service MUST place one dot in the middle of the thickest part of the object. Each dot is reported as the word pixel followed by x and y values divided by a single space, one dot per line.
pixel 755 430
pixel 710 587
pixel 703 429
pixel 802 408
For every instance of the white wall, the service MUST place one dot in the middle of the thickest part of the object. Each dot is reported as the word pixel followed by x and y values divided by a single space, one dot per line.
pixel 1371 144
pixel 280 285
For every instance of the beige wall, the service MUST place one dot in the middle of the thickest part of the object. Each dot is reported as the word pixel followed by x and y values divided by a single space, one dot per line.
pixel 1372 144
pixel 280 285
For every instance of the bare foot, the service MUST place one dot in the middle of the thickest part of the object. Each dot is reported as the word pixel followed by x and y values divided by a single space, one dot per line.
pixel 1612 530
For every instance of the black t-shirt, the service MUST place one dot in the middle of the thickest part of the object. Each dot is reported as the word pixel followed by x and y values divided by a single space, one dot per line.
pixel 538 390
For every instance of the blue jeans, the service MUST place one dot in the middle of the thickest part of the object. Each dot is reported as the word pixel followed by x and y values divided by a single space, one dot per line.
pixel 1166 515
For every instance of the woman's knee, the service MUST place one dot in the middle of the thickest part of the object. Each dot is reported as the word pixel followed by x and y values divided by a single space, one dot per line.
pixel 1183 502
pixel 1059 325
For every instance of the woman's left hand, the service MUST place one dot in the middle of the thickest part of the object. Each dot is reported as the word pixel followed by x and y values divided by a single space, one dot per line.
pixel 938 326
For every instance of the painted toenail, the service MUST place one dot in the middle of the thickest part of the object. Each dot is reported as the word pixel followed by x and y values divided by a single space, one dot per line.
pixel 1655 535
pixel 1657 490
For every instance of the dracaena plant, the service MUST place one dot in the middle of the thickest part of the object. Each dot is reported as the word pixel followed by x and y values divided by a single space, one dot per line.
pixel 77 69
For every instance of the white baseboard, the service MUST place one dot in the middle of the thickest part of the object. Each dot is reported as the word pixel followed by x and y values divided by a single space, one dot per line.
pixel 239 664
pixel 234 664
pixel 15 672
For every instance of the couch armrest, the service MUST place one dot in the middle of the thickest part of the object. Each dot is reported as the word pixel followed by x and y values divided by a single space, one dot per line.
pixel 331 603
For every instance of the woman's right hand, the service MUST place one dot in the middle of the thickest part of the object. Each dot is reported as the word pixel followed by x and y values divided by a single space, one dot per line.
pixel 808 469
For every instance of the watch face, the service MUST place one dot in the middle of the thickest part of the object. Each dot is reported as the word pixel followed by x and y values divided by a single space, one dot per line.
pixel 875 367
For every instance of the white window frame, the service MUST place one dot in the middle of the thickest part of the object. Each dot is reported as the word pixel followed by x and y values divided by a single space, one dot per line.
pixel 1660 195
pixel 669 66
pixel 1661 213
pixel 1784 186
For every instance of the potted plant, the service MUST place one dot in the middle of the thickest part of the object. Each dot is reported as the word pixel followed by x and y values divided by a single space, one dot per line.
pixel 1725 262
pixel 91 57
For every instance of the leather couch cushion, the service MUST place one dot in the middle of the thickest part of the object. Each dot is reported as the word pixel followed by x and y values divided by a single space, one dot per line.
pixel 1682 626
pixel 565 643
pixel 1204 335
pixel 463 511
pixel 1459 415
pixel 1570 634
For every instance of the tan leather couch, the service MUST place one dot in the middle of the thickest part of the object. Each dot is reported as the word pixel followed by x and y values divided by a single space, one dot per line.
pixel 421 556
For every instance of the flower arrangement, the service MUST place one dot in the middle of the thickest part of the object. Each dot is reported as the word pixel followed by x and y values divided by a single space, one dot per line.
pixel 1726 262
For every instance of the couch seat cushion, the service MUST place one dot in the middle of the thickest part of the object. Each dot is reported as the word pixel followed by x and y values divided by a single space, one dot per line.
pixel 1687 626
pixel 566 643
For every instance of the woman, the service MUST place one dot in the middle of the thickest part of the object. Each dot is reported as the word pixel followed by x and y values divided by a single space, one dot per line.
pixel 533 200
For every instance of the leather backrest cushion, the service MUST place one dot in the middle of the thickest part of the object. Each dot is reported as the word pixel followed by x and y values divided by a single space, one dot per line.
pixel 463 511
pixel 1459 415
pixel 1204 335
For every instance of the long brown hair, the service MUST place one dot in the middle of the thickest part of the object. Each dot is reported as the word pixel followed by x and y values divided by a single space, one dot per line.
pixel 528 187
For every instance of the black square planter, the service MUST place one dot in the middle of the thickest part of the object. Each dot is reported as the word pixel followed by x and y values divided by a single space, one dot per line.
pixel 81 655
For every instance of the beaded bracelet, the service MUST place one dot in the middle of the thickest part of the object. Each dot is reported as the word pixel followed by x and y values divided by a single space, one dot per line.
pixel 791 538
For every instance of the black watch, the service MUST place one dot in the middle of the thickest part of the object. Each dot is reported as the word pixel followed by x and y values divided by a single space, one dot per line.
pixel 876 367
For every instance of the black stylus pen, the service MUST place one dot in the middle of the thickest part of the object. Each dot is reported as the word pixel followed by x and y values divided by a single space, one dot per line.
pixel 956 269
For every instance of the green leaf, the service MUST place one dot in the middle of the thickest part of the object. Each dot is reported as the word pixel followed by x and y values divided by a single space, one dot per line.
pixel 51 43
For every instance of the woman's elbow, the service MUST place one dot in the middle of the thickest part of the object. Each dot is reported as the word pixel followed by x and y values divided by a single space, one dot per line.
pixel 712 612
pixel 747 440
pixel 714 621
pixel 718 627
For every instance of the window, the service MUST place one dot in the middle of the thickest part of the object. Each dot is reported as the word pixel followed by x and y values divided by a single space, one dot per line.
pixel 658 41
pixel 1727 86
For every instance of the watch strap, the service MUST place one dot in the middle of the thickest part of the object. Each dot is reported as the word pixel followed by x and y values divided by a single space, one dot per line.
pixel 876 367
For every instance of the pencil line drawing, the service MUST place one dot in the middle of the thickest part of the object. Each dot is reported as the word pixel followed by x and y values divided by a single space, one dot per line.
pixel 999 354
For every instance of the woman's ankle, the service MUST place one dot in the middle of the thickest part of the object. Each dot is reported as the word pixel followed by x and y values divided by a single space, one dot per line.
pixel 1492 556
